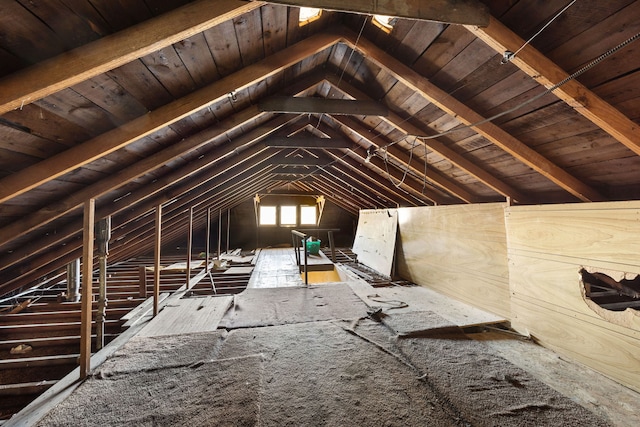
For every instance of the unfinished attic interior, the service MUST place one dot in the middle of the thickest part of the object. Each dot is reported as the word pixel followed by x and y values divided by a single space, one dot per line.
pixel 310 212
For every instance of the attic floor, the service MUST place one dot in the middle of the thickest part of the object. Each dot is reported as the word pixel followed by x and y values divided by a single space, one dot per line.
pixel 310 356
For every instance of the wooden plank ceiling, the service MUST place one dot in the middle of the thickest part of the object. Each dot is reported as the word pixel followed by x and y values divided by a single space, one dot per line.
pixel 143 103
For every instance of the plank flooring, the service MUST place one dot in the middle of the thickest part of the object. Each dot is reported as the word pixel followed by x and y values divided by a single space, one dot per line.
pixel 188 315
pixel 275 268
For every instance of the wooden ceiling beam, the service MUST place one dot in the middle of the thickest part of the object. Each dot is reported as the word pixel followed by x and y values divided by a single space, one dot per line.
pixel 310 105
pixel 309 142
pixel 409 129
pixel 112 51
pixel 328 134
pixel 79 155
pixel 471 12
pixel 547 73
pixel 466 115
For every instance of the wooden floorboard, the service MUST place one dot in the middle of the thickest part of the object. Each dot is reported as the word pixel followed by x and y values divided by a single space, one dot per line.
pixel 188 315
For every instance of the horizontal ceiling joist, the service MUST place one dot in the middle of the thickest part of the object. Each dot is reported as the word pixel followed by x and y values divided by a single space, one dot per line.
pixel 548 74
pixel 79 155
pixel 467 116
pixel 296 160
pixel 471 12
pixel 310 142
pixel 117 49
pixel 309 105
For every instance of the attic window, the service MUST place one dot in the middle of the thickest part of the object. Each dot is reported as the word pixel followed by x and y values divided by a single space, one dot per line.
pixel 308 15
pixel 385 22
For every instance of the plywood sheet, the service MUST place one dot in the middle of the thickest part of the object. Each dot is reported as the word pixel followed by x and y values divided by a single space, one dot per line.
pixel 417 323
pixel 548 245
pixel 459 251
pixel 188 315
pixel 375 240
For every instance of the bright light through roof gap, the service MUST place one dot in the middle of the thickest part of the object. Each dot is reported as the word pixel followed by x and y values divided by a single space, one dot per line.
pixel 309 14
pixel 385 22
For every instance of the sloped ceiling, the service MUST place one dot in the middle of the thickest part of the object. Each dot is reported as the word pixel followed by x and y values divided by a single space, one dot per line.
pixel 139 104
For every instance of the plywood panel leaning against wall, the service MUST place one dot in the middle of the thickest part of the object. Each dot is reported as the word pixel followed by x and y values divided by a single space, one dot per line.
pixel 460 251
pixel 548 246
pixel 375 241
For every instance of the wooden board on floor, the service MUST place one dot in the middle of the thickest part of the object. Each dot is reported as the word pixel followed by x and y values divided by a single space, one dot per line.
pixel 375 240
pixel 318 262
pixel 188 315
pixel 238 270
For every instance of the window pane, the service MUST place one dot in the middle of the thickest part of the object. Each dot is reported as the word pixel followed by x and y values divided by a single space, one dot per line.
pixel 288 215
pixel 267 215
pixel 308 215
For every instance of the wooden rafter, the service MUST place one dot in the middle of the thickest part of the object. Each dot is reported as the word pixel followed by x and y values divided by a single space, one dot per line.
pixel 466 115
pixel 410 187
pixel 112 51
pixel 79 155
pixel 393 151
pixel 574 93
pixel 470 12
pixel 437 146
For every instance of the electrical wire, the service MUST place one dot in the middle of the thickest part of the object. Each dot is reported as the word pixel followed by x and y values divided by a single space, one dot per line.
pixel 574 75
pixel 364 22
pixel 508 56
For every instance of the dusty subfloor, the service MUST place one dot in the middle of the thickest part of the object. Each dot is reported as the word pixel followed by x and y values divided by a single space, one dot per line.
pixel 323 368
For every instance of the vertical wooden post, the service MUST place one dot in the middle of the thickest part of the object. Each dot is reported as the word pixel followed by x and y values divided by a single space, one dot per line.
pixel 189 245
pixel 219 232
pixel 142 281
pixel 87 287
pixel 156 261
pixel 228 227
pixel 208 245
pixel 332 246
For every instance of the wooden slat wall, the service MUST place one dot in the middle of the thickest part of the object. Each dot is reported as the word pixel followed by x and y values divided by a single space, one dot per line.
pixel 547 247
pixel 460 251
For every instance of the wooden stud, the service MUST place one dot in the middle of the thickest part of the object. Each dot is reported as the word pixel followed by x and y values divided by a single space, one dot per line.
pixel 208 242
pixel 142 281
pixel 156 260
pixel 189 243
pixel 87 287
